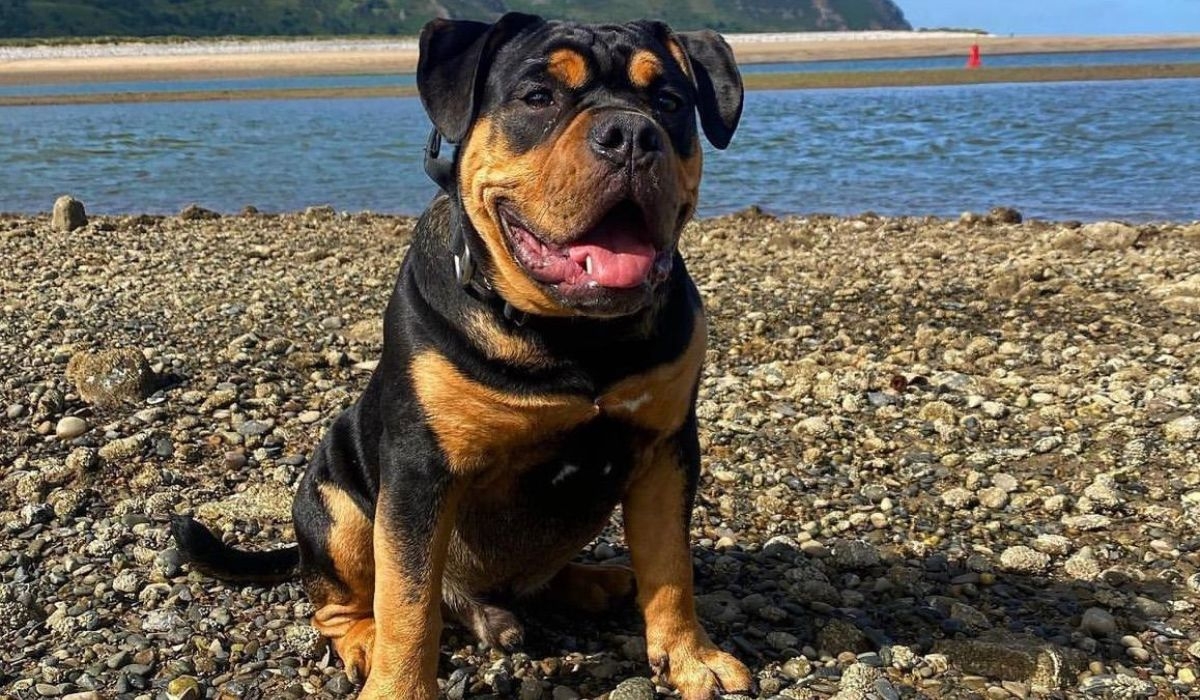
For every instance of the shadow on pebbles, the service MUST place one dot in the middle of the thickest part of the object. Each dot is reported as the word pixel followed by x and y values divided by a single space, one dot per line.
pixel 946 458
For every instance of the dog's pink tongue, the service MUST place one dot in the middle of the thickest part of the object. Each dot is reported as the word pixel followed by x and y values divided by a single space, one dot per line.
pixel 620 259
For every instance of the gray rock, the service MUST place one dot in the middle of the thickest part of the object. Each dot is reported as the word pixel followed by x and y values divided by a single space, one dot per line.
pixel 1011 657
pixel 195 212
pixel 68 214
pixel 839 636
pixel 1118 686
pixel 633 689
pixel 854 554
pixel 1098 622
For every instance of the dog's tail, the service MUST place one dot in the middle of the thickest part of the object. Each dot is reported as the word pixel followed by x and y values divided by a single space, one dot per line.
pixel 208 554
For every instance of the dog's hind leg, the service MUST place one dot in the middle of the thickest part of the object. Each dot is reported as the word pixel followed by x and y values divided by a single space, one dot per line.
pixel 590 588
pixel 338 570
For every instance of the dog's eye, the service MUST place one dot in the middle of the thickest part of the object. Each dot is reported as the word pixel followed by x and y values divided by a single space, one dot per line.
pixel 538 98
pixel 667 102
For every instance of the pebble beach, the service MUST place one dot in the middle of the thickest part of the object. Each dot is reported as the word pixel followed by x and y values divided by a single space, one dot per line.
pixel 947 458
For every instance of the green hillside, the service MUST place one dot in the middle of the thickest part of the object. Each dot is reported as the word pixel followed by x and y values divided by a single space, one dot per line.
pixel 87 18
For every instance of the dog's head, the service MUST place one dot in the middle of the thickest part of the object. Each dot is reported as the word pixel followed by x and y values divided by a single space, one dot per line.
pixel 579 158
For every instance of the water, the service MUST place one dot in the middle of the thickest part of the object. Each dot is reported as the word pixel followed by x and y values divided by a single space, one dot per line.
pixel 277 83
pixel 1031 60
pixel 1062 150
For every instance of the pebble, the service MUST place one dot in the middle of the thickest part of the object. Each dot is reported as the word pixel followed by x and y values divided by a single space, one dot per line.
pixel 633 689
pixel 1025 560
pixel 1098 622
pixel 70 427
pixel 958 498
pixel 183 688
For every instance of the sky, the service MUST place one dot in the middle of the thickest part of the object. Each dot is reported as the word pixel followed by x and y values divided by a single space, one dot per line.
pixel 1057 16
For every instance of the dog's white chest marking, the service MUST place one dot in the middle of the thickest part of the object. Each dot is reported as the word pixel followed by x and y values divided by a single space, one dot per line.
pixel 632 405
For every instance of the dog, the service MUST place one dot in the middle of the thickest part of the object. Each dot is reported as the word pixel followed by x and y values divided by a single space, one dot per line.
pixel 542 351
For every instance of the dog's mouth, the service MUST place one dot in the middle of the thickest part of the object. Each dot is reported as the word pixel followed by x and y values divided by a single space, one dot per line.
pixel 618 252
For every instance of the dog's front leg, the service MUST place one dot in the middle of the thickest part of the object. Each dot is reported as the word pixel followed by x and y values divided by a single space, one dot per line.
pixel 657 516
pixel 414 517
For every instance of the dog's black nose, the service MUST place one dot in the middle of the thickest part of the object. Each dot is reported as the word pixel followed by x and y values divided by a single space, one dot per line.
pixel 621 137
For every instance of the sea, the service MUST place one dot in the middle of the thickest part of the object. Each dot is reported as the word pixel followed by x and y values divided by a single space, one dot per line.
pixel 1085 151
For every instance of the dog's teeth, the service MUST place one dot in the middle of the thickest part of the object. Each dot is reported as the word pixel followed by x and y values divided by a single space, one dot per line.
pixel 587 265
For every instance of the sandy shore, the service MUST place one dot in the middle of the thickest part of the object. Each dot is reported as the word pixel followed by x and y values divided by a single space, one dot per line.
pixel 942 458
pixel 757 81
pixel 36 65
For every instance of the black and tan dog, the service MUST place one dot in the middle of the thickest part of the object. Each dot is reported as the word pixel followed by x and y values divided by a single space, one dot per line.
pixel 542 349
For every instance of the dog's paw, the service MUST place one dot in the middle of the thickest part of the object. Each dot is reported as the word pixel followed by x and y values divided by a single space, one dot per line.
pixel 355 649
pixel 379 688
pixel 497 627
pixel 699 670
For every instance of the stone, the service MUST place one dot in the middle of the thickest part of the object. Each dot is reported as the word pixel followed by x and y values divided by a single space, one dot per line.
pixel 70 427
pixel 854 554
pixel 1117 686
pixel 796 668
pixel 109 378
pixel 195 212
pixel 124 448
pixel 1024 560
pixel 1184 429
pixel 958 498
pixel 1098 622
pixel 1004 215
pixel 903 657
pixel 1013 657
pixel 993 497
pixel 839 636
pixel 1055 545
pixel 1083 565
pixel 858 678
pixel 633 689
pixel 183 688
pixel 1109 235
pixel 68 215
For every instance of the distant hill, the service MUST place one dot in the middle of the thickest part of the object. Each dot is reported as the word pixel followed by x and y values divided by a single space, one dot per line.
pixel 142 18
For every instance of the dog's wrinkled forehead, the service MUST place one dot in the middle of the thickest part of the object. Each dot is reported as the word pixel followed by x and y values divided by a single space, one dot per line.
pixel 593 56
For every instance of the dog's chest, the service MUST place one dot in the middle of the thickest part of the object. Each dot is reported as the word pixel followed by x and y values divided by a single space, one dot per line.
pixel 480 427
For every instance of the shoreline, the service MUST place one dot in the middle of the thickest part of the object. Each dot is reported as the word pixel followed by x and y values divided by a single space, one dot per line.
pixel 754 81
pixel 258 59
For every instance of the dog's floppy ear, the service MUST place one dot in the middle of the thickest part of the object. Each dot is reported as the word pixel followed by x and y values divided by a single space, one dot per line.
pixel 455 56
pixel 719 89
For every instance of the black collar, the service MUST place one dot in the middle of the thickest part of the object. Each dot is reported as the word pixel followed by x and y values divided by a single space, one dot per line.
pixel 466 270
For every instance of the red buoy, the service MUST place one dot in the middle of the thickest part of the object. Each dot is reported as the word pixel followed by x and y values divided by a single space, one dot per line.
pixel 974 61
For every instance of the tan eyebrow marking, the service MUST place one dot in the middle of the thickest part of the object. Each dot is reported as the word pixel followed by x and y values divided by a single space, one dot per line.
pixel 644 68
pixel 569 67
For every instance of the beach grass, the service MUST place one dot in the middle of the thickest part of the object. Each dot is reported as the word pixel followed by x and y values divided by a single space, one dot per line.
pixel 754 81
